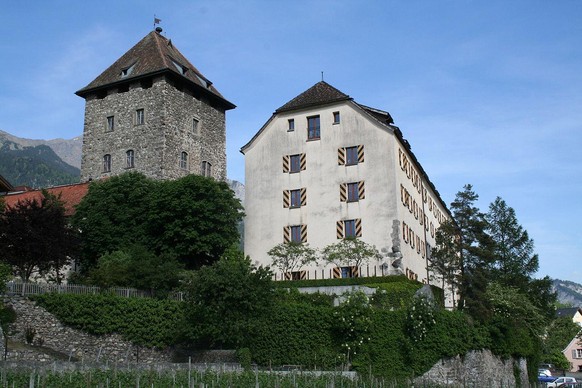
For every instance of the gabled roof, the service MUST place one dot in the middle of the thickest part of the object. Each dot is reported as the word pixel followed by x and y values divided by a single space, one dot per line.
pixel 153 55
pixel 568 312
pixel 71 195
pixel 319 94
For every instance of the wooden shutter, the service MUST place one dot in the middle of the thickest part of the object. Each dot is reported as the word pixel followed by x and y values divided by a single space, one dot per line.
pixel 337 273
pixel 405 232
pixel 339 228
pixel 361 192
pixel 355 271
pixel 286 234
pixel 286 163
pixel 303 233
pixel 303 162
pixel 361 153
pixel 358 227
pixel 303 196
pixel 343 192
pixel 286 198
pixel 341 156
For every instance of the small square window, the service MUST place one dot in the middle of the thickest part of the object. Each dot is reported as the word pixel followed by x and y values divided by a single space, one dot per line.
pixel 351 155
pixel 295 198
pixel 139 117
pixel 336 117
pixel 296 234
pixel 291 126
pixel 295 161
pixel 110 123
pixel 313 129
pixel 346 272
pixel 350 228
pixel 353 192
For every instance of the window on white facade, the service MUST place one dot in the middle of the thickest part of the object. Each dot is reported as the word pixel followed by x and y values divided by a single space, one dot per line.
pixel 336 117
pixel 291 126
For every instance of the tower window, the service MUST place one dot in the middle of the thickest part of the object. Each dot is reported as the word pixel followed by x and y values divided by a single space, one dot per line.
pixel 206 168
pixel 106 163
pixel 195 126
pixel 130 159
pixel 313 131
pixel 139 117
pixel 110 123
pixel 184 160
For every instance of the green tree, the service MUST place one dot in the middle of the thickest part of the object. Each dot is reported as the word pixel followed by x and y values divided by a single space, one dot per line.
pixel 559 333
pixel 292 256
pixel 474 253
pixel 35 236
pixel 224 300
pixel 113 215
pixel 350 252
pixel 444 260
pixel 139 268
pixel 194 218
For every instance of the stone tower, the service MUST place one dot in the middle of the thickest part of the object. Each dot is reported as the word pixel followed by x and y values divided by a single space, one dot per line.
pixel 152 111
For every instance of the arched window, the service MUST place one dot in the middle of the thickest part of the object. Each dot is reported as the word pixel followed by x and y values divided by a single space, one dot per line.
pixel 106 163
pixel 130 159
pixel 184 160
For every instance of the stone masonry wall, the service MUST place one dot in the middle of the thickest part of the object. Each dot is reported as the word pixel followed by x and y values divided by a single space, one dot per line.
pixel 476 367
pixel 158 143
pixel 50 333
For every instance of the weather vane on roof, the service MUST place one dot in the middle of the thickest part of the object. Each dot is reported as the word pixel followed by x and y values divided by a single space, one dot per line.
pixel 156 21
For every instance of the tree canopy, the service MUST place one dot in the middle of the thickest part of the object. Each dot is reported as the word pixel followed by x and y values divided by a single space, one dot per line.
pixel 35 237
pixel 292 256
pixel 350 252
pixel 194 218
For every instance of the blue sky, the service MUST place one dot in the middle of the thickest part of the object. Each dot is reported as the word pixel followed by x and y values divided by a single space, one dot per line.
pixel 487 93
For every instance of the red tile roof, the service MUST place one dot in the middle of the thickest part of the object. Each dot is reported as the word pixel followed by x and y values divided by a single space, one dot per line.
pixel 71 195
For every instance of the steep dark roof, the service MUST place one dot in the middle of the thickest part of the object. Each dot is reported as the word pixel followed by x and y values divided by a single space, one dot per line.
pixel 152 55
pixel 5 186
pixel 568 312
pixel 319 94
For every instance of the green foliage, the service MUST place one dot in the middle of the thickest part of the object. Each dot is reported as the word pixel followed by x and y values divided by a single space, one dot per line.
pixel 371 281
pixel 292 256
pixel 444 260
pixel 225 301
pixel 194 218
pixel 292 295
pixel 35 235
pixel 7 316
pixel 147 322
pixel 296 334
pixel 352 323
pixel 559 333
pixel 138 268
pixel 350 252
pixel 394 295
pixel 5 275
pixel 244 358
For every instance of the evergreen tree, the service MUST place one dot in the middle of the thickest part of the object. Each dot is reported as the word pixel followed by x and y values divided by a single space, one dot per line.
pixel 444 259
pixel 474 253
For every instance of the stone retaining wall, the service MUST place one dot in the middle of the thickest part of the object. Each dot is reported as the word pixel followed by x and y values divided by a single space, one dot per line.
pixel 73 344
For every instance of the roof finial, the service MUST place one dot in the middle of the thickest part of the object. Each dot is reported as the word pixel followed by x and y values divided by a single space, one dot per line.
pixel 322 76
pixel 156 21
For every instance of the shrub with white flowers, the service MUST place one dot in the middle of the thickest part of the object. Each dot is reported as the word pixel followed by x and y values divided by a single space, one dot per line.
pixel 420 318
pixel 353 320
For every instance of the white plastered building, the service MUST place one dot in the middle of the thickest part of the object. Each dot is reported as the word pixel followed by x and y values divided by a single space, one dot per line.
pixel 324 167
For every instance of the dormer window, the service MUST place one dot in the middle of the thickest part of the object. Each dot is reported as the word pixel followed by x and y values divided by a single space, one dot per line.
pixel 126 71
pixel 181 69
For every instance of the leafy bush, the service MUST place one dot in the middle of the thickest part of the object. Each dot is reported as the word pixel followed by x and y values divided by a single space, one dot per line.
pixel 147 322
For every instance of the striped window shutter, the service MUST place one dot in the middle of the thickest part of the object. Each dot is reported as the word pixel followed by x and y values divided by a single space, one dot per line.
pixel 303 233
pixel 286 163
pixel 405 232
pixel 341 156
pixel 303 162
pixel 286 234
pixel 337 272
pixel 303 196
pixel 361 153
pixel 361 192
pixel 355 271
pixel 343 192
pixel 339 228
pixel 286 198
pixel 288 275
pixel 358 227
